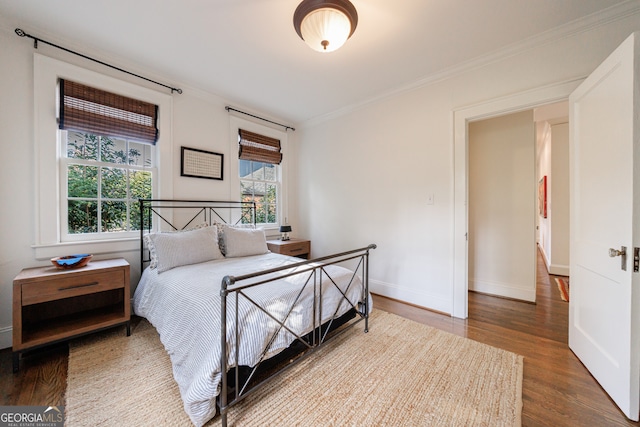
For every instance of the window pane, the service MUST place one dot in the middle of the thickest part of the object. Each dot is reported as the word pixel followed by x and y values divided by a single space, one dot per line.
pixel 82 181
pixel 269 172
pixel 113 150
pixel 140 185
pixel 114 216
pixel 261 211
pixel 83 216
pixel 82 146
pixel 270 194
pixel 258 170
pixel 245 168
pixel 139 154
pixel 114 183
pixel 271 213
pixel 246 191
pixel 134 215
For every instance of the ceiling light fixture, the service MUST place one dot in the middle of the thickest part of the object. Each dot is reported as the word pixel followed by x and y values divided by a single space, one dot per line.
pixel 325 24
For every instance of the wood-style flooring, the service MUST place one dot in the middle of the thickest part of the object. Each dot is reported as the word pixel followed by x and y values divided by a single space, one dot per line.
pixel 557 388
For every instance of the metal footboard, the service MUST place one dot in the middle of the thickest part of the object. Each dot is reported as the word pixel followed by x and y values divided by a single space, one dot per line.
pixel 234 288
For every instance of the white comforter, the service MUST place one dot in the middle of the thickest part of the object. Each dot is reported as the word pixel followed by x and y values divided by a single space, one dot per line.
pixel 184 306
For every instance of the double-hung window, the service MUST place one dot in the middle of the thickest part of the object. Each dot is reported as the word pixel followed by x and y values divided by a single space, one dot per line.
pixel 107 161
pixel 260 175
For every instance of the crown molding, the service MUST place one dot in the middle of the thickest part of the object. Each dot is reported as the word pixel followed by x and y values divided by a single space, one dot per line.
pixel 587 23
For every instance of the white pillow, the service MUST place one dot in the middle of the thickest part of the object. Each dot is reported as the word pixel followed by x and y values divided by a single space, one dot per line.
pixel 221 226
pixel 244 241
pixel 148 242
pixel 186 247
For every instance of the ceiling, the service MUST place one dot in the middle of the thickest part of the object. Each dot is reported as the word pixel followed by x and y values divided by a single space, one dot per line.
pixel 247 51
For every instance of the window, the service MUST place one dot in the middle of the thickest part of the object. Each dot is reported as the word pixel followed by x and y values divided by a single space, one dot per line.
pixel 51 214
pixel 259 170
pixel 104 178
pixel 107 142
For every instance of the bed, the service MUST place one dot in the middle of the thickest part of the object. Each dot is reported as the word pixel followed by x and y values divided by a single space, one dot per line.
pixel 231 314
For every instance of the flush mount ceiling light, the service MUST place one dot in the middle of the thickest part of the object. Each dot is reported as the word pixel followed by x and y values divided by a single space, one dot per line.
pixel 325 24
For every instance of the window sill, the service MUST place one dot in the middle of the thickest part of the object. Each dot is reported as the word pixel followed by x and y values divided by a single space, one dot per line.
pixel 93 247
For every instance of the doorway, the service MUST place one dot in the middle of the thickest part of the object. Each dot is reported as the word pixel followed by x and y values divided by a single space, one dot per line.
pixel 518 200
pixel 502 204
pixel 462 119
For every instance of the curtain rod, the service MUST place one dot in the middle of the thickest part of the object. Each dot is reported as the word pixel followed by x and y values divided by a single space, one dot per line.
pixel 35 45
pixel 286 128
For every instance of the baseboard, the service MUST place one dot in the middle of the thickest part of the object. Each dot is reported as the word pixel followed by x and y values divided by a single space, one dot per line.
pixel 6 337
pixel 558 270
pixel 555 269
pixel 503 290
pixel 402 293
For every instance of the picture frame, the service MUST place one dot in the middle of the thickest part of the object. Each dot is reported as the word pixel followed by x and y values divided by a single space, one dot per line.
pixel 542 196
pixel 196 163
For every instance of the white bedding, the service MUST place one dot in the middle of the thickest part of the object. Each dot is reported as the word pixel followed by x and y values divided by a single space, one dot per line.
pixel 184 306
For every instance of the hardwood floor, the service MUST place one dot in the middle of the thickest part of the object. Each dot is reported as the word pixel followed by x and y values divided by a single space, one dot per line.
pixel 557 388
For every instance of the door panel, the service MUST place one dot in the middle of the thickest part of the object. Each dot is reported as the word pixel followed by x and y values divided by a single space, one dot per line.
pixel 603 309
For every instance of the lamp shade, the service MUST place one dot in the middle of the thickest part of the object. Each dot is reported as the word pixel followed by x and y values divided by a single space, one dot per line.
pixel 325 25
pixel 285 228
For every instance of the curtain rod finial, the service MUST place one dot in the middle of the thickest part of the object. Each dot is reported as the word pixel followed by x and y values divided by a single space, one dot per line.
pixel 20 32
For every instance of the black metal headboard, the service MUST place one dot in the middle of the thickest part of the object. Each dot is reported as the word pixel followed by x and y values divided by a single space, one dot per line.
pixel 176 215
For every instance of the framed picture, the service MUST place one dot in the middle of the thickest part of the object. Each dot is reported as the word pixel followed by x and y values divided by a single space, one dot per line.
pixel 197 163
pixel 542 196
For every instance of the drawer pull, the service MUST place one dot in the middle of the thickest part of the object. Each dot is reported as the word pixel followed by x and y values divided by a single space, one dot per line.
pixel 78 286
pixel 295 250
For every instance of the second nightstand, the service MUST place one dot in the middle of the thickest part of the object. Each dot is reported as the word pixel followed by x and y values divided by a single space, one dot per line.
pixel 293 247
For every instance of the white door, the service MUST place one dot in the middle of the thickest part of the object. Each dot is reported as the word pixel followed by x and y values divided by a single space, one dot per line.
pixel 604 307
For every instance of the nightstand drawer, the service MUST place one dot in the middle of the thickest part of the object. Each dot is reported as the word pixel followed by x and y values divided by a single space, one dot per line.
pixel 71 286
pixel 295 249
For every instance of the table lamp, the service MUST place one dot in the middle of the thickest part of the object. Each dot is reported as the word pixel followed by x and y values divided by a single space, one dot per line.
pixel 285 230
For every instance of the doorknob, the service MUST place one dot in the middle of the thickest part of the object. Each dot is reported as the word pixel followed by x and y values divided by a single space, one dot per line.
pixel 622 253
pixel 614 252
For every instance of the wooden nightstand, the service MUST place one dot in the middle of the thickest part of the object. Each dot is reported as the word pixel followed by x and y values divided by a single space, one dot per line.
pixel 51 305
pixel 293 247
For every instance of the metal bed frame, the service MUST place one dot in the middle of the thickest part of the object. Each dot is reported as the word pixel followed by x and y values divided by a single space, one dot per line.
pixel 239 382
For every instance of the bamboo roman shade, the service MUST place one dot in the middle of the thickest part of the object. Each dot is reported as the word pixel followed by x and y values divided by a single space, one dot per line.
pixel 259 148
pixel 87 109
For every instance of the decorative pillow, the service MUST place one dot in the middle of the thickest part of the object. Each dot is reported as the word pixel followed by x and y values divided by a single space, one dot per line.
pixel 184 248
pixel 243 241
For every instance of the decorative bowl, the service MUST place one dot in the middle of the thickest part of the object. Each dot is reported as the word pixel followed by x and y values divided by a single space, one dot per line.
pixel 71 261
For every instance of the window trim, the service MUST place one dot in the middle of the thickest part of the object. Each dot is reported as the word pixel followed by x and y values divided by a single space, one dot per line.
pixel 47 235
pixel 237 123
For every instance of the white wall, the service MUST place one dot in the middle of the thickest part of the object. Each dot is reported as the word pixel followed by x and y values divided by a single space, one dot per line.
pixel 502 187
pixel 365 173
pixel 199 120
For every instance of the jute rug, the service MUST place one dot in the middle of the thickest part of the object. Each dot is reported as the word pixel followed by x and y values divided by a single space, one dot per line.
pixel 401 373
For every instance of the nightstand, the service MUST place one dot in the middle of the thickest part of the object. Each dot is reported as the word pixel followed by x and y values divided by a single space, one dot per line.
pixel 293 247
pixel 51 305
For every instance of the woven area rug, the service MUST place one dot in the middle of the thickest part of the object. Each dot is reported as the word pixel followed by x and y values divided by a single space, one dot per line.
pixel 400 373
pixel 563 287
